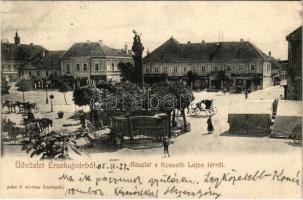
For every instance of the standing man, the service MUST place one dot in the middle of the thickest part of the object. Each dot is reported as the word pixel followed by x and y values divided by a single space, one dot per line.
pixel 165 145
pixel 246 94
pixel 210 127
pixel 82 119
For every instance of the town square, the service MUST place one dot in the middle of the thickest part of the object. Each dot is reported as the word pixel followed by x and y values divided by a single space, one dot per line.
pixel 203 93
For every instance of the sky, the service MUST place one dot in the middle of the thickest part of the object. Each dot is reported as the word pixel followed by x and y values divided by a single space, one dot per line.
pixel 57 25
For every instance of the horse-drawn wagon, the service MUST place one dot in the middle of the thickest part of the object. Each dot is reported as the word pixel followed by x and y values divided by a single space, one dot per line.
pixel 203 108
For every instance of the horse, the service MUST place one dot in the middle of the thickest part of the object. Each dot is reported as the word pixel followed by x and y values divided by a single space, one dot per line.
pixel 32 129
pixel 10 106
pixel 10 127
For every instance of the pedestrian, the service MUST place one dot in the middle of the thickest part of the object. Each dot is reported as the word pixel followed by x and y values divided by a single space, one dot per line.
pixel 30 116
pixel 210 127
pixel 246 94
pixel 82 119
pixel 165 145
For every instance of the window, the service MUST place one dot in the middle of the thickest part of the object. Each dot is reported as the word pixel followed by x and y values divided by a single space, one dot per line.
pixel 38 73
pixel 9 67
pixel 146 69
pixel 78 67
pixel 156 69
pixel 29 73
pixel 185 69
pixel 175 69
pixel 240 67
pixel 67 67
pixel 46 73
pixel 113 66
pixel 203 68
pixel 84 67
pixel 268 68
pixel 228 67
pixel 96 67
pixel 22 73
pixel 166 69
pixel 252 67
pixel 215 68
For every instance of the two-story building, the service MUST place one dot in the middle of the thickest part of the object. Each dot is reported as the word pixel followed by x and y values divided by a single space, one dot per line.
pixel 15 54
pixel 89 63
pixel 42 68
pixel 294 78
pixel 236 65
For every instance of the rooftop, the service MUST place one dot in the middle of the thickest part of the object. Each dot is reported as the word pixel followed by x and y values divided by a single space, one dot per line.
pixel 93 49
pixel 20 52
pixel 48 60
pixel 173 51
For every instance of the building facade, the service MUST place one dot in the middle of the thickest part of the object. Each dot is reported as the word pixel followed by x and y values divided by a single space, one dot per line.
pixel 13 55
pixel 89 63
pixel 294 80
pixel 43 69
pixel 230 65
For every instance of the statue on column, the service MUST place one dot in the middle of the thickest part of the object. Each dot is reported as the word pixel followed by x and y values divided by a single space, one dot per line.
pixel 137 50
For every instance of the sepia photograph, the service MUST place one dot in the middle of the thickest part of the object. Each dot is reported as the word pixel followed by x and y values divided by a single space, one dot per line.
pixel 182 97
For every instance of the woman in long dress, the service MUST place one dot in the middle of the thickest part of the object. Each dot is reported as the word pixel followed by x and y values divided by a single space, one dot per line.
pixel 210 127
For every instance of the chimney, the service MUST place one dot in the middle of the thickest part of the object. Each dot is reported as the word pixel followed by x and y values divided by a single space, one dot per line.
pixel 203 41
pixel 31 43
pixel 100 42
pixel 188 42
pixel 147 51
pixel 269 53
pixel 241 40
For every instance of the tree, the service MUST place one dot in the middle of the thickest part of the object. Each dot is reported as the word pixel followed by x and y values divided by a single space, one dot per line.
pixel 24 86
pixel 257 81
pixel 54 145
pixel 181 94
pixel 51 97
pixel 184 98
pixel 225 79
pixel 130 72
pixel 82 96
pixel 4 87
pixel 163 77
pixel 192 77
pixel 64 88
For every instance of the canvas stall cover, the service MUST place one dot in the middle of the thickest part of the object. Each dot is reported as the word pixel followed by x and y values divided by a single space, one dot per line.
pixel 289 115
pixel 251 118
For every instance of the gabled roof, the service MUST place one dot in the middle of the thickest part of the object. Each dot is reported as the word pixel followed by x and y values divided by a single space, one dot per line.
pixel 92 49
pixel 20 52
pixel 173 51
pixel 50 61
pixel 295 35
